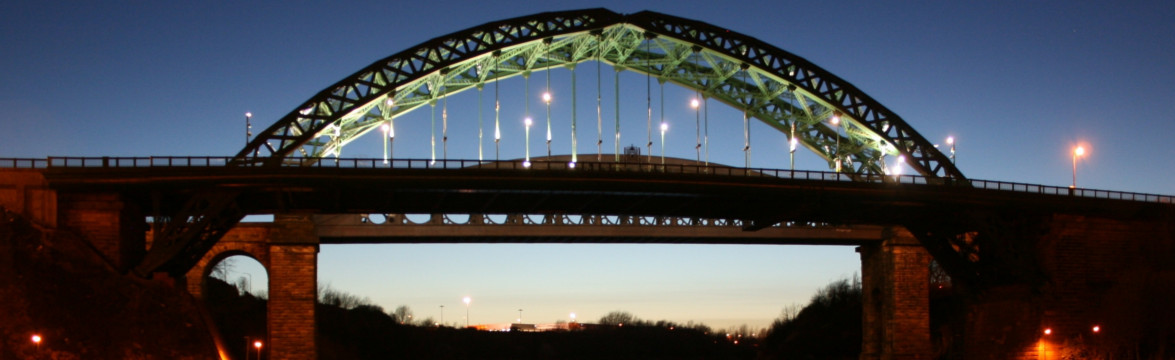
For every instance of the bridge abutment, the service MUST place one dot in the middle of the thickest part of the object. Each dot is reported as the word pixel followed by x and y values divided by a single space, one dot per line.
pixel 113 226
pixel 895 283
pixel 293 287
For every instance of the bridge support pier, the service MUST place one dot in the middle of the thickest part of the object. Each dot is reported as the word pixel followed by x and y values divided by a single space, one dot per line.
pixel 114 227
pixel 895 283
pixel 293 288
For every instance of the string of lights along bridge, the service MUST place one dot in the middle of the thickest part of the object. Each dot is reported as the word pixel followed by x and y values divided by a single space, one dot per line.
pixel 596 92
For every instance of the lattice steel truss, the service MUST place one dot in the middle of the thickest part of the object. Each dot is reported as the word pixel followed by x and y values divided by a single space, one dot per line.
pixel 772 85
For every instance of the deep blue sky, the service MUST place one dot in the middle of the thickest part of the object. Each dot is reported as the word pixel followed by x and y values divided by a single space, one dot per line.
pixel 1017 83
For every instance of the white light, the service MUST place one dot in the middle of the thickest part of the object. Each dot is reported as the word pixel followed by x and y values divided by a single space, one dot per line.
pixel 526 164
pixel 390 101
pixel 835 120
pixel 466 300
pixel 546 97
pixel 248 114
pixel 1079 151
pixel 792 144
pixel 694 103
pixel 664 127
pixel 571 165
pixel 528 122
pixel 950 140
pixel 384 127
pixel 897 169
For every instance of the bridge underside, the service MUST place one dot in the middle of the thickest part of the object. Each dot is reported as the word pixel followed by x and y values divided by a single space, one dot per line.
pixel 519 228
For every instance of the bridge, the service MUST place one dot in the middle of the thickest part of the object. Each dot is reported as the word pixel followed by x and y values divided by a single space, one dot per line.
pixel 1014 248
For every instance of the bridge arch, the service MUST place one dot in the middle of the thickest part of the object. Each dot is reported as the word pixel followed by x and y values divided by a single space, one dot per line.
pixel 248 241
pixel 785 91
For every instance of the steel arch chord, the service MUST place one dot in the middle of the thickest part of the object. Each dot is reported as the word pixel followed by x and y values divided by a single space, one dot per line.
pixel 780 88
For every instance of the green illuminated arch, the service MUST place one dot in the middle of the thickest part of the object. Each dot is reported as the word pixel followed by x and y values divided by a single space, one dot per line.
pixel 772 85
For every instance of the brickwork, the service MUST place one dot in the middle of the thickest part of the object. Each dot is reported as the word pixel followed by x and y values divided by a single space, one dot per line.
pixel 293 288
pixel 1091 265
pixel 250 240
pixel 895 285
pixel 115 228
pixel 26 192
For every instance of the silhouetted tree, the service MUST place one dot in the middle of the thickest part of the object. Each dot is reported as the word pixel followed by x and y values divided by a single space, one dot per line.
pixel 619 318
pixel 828 328
pixel 402 315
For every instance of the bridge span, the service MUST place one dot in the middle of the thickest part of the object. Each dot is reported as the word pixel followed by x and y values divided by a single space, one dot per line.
pixel 992 237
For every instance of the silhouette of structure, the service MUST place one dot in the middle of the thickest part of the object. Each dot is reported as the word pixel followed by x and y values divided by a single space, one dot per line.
pixel 1044 252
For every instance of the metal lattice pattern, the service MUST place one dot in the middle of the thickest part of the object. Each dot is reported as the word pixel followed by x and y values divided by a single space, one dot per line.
pixel 772 85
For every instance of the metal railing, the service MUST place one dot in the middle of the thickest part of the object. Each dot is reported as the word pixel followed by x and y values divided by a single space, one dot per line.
pixel 519 165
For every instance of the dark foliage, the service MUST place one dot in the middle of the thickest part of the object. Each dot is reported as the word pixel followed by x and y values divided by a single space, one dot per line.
pixel 828 328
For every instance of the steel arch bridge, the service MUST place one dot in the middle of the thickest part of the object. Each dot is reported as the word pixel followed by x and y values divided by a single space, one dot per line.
pixel 783 90
pixel 809 105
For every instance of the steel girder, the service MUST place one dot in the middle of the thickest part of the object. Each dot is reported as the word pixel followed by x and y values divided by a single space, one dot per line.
pixel 769 84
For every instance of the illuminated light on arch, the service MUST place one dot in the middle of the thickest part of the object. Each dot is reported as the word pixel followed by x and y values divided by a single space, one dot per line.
pixel 776 87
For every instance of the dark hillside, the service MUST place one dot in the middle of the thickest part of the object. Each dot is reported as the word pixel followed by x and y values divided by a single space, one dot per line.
pixel 55 286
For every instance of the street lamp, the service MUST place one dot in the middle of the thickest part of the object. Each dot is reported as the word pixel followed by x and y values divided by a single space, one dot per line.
pixel 248 127
pixel 442 316
pixel 792 150
pixel 572 317
pixel 664 127
pixel 835 121
pixel 257 345
pixel 37 341
pixel 467 300
pixel 528 122
pixel 694 103
pixel 951 142
pixel 547 100
pixel 1078 152
pixel 519 316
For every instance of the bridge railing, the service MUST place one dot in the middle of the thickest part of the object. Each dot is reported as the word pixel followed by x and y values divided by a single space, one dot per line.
pixel 678 168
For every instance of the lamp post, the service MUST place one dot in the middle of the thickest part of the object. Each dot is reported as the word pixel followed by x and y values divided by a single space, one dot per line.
pixel 528 122
pixel 519 316
pixel 951 142
pixel 257 345
pixel 664 127
pixel 442 316
pixel 547 100
pixel 1077 152
pixel 37 342
pixel 467 300
pixel 694 103
pixel 835 121
pixel 248 127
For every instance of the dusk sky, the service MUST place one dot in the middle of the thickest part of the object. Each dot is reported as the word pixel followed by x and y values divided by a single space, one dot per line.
pixel 1017 83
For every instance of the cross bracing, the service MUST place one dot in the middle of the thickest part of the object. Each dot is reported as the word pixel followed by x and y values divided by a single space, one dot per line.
pixel 771 85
